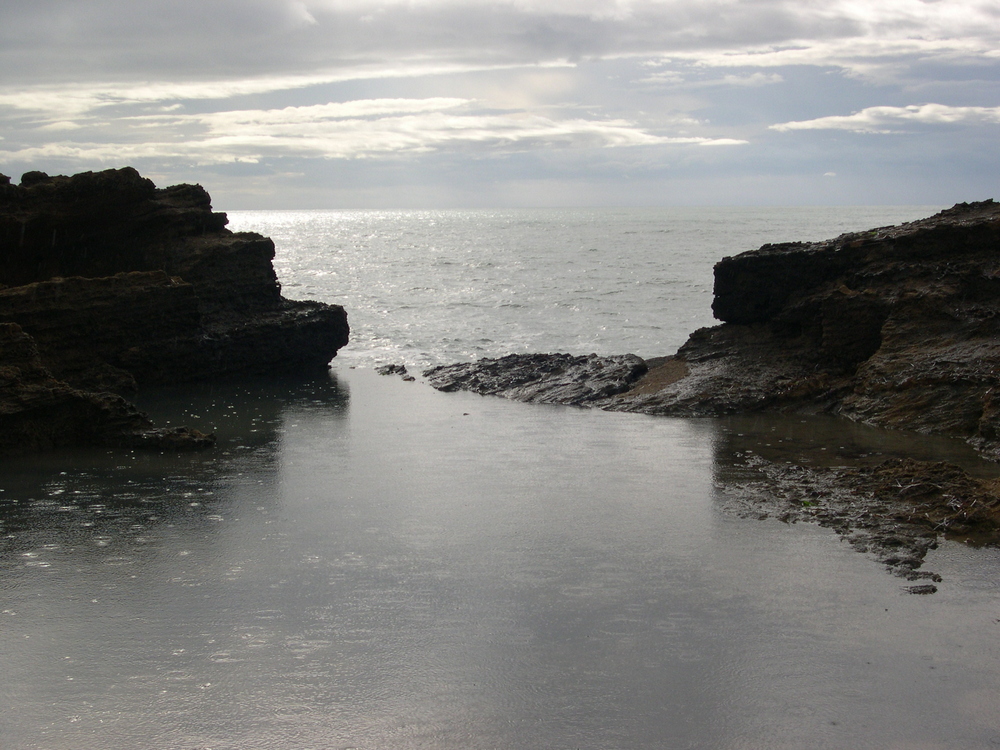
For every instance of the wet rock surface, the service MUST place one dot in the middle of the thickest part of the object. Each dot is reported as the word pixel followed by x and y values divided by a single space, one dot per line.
pixel 897 327
pixel 894 510
pixel 396 369
pixel 120 284
pixel 38 411
pixel 543 378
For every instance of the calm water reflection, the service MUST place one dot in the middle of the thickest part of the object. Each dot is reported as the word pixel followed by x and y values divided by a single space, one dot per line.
pixel 367 563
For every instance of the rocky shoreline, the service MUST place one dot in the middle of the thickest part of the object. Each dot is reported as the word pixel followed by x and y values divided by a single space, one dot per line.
pixel 108 283
pixel 896 327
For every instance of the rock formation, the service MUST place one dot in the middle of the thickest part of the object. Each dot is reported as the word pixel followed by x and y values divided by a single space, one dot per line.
pixel 543 378
pixel 37 411
pixel 897 327
pixel 119 284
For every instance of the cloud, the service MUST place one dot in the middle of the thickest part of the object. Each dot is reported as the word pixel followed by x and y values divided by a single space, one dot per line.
pixel 122 40
pixel 353 130
pixel 388 84
pixel 69 100
pixel 884 119
pixel 877 59
pixel 675 80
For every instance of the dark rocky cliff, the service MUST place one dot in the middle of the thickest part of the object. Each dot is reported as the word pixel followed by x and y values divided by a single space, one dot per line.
pixel 898 327
pixel 118 283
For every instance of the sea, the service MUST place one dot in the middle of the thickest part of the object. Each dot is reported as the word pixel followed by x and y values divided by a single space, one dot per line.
pixel 364 563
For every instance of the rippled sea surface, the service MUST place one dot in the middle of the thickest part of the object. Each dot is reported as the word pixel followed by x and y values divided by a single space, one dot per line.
pixel 366 563
pixel 431 287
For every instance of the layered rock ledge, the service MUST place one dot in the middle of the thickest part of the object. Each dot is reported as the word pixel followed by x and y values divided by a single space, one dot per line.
pixel 108 283
pixel 897 327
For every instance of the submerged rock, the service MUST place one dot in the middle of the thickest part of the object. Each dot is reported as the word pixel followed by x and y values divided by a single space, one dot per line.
pixel 120 284
pixel 894 510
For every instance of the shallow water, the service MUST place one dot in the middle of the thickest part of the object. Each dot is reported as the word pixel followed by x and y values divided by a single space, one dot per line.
pixel 367 563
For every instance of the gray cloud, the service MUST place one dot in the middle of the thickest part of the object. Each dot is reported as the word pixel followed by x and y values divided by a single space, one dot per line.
pixel 140 39
pixel 464 89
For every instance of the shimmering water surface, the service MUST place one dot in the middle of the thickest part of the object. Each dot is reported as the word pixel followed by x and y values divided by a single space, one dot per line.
pixel 432 287
pixel 367 563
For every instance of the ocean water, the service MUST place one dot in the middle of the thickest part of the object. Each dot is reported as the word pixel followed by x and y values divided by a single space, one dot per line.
pixel 366 563
pixel 433 287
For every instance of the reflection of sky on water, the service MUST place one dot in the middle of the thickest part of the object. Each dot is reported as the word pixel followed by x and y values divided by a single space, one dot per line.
pixel 403 568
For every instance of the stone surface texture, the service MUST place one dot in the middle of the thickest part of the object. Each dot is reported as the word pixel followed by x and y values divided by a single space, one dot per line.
pixel 897 327
pixel 542 378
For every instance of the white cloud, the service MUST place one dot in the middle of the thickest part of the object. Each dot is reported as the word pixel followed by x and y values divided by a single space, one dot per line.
pixel 60 125
pixel 675 80
pixel 754 79
pixel 884 119
pixel 67 101
pixel 147 40
pixel 353 130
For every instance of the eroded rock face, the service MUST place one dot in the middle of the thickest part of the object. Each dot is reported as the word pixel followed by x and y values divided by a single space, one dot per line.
pixel 897 327
pixel 118 283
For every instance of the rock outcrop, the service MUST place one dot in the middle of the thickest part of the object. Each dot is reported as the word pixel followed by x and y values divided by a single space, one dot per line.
pixel 897 327
pixel 543 378
pixel 120 284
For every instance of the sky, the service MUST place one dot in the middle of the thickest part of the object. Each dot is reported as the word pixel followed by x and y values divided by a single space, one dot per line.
pixel 480 103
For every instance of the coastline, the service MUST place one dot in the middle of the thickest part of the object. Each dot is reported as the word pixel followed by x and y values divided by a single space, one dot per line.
pixel 833 327
pixel 893 327
pixel 390 563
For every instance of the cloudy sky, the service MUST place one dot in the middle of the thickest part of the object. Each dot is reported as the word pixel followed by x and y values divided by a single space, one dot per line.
pixel 490 103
